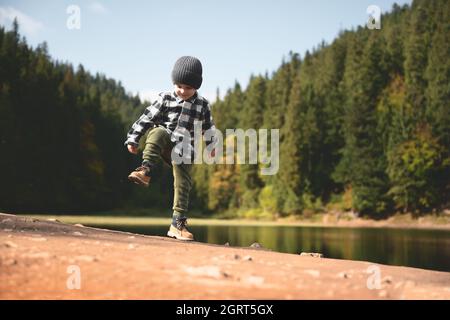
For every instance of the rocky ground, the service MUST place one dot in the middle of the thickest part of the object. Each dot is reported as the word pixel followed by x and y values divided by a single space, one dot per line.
pixel 42 259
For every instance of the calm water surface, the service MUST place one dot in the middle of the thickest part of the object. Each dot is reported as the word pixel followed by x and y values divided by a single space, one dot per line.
pixel 428 249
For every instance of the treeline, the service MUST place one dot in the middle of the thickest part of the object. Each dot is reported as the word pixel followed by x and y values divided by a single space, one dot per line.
pixel 61 134
pixel 364 124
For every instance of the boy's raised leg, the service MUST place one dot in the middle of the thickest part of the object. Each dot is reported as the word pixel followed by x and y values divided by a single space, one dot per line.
pixel 158 140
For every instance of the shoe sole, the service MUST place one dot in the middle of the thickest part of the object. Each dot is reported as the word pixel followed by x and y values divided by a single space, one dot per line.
pixel 173 235
pixel 137 181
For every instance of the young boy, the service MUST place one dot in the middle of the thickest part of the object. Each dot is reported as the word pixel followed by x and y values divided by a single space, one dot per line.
pixel 169 118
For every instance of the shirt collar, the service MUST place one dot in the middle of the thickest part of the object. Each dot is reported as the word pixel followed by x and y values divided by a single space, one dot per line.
pixel 191 99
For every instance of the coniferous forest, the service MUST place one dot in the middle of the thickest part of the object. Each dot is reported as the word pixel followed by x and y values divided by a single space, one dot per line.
pixel 364 127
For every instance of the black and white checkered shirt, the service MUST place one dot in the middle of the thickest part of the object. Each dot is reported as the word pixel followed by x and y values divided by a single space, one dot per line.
pixel 177 116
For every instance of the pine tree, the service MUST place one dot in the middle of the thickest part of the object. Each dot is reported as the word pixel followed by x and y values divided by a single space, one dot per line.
pixel 289 180
pixel 365 165
pixel 252 118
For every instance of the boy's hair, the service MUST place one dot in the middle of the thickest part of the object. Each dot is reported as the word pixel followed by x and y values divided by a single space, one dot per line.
pixel 188 70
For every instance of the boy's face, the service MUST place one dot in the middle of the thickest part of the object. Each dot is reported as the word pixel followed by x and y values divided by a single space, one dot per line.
pixel 184 91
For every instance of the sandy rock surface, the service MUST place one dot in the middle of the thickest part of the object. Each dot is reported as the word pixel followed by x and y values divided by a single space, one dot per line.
pixel 42 259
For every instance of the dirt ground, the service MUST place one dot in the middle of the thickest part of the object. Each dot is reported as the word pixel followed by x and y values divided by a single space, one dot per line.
pixel 42 259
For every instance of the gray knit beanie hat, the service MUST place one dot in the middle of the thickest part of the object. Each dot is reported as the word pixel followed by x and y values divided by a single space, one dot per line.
pixel 188 70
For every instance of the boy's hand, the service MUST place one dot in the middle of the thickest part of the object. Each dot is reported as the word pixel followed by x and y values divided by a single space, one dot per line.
pixel 213 153
pixel 132 149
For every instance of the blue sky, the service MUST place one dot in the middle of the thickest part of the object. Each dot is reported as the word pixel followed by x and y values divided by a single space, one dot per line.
pixel 137 42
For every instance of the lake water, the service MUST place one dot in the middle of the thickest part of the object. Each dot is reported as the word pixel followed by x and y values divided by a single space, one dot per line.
pixel 428 249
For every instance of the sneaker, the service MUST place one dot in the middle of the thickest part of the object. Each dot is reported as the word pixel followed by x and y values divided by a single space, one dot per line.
pixel 140 176
pixel 180 232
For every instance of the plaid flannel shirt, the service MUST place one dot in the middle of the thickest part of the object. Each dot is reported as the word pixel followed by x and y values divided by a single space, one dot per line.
pixel 177 116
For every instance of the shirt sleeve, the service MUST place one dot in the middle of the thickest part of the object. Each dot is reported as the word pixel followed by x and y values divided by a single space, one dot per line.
pixel 208 124
pixel 146 120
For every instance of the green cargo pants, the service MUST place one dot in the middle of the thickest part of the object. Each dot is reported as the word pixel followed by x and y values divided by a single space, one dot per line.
pixel 159 146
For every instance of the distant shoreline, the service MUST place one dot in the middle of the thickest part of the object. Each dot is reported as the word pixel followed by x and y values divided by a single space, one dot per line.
pixel 327 221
